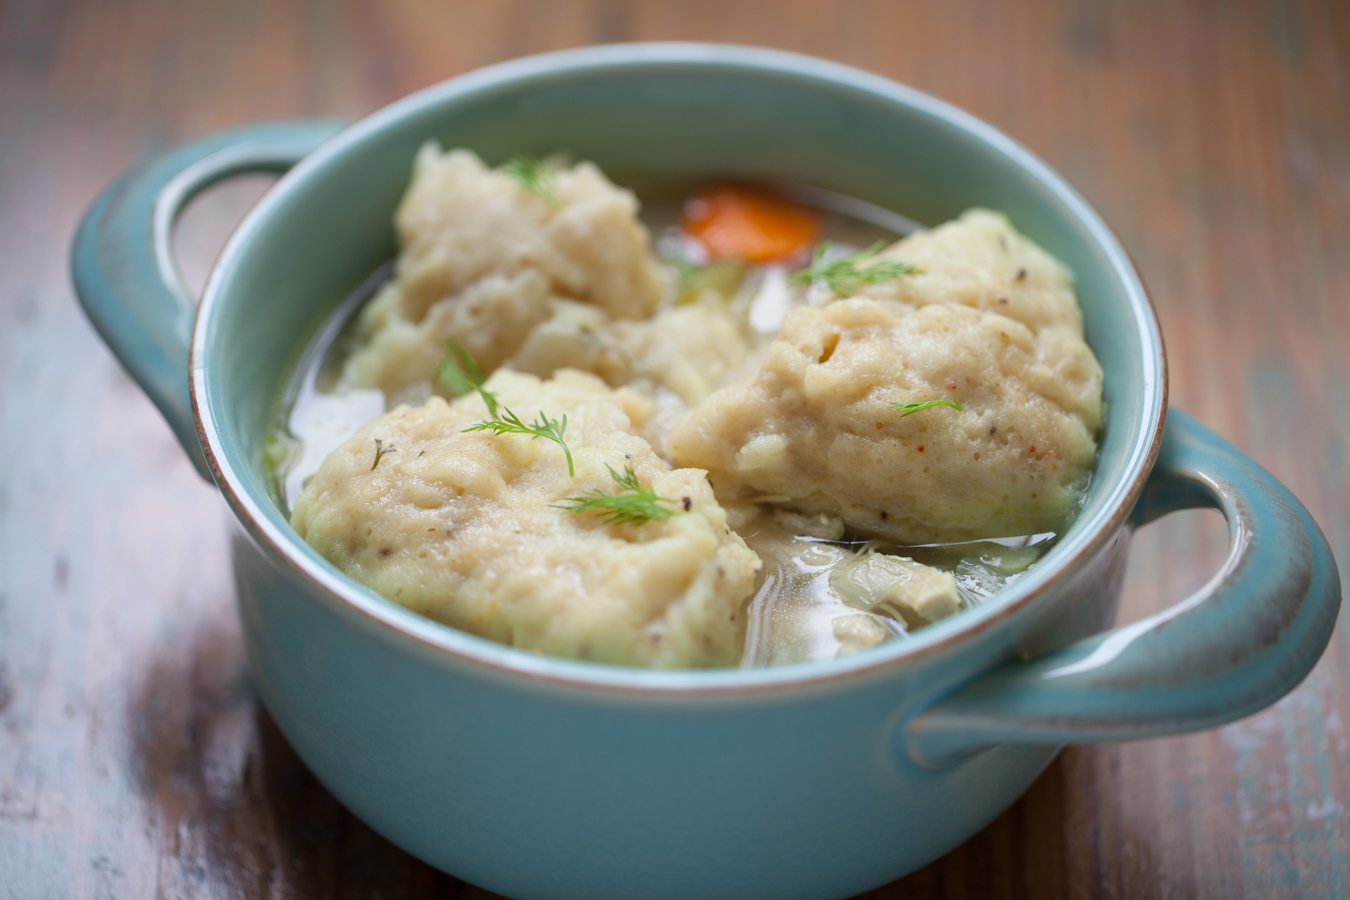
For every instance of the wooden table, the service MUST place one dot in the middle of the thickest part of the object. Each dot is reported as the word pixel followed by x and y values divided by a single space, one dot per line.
pixel 135 760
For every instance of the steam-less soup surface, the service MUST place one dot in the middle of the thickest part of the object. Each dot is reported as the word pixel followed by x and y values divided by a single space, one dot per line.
pixel 783 429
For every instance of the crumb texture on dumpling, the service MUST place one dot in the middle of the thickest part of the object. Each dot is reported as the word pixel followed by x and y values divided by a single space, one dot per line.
pixel 464 528
pixel 979 260
pixel 522 284
pixel 483 259
pixel 991 322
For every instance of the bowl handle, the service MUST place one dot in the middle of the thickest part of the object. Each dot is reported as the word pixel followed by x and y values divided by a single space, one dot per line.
pixel 122 257
pixel 1238 645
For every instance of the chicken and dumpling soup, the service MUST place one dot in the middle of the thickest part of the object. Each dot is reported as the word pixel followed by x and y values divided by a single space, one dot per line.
pixel 787 427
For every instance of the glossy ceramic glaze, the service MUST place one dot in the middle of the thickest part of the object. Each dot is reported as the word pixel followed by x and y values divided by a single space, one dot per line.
pixel 539 777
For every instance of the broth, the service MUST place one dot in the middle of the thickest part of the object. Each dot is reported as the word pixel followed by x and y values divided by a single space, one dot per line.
pixel 802 608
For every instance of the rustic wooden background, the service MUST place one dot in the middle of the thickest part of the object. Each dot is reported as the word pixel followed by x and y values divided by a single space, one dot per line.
pixel 135 760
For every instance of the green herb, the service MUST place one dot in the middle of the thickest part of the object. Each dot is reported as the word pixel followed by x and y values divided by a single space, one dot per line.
pixel 686 271
pixel 632 505
pixel 538 176
pixel 460 374
pixel 457 371
pixel 380 451
pixel 504 421
pixel 909 409
pixel 723 277
pixel 848 275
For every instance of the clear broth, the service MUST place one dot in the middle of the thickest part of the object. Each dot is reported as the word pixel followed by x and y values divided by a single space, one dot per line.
pixel 796 614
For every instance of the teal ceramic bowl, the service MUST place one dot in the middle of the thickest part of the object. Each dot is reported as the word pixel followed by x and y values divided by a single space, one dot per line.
pixel 549 778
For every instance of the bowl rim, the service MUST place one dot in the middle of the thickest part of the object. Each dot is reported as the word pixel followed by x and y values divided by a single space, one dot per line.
pixel 445 645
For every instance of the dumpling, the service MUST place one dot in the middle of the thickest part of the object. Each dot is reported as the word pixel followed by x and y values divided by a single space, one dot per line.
pixel 466 528
pixel 484 260
pixel 814 426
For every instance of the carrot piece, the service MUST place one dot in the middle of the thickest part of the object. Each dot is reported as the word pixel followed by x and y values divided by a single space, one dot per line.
pixel 737 221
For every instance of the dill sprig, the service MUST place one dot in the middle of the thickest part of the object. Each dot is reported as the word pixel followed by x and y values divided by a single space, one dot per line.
pixel 460 374
pixel 909 409
pixel 380 451
pixel 538 176
pixel 724 277
pixel 687 272
pixel 504 421
pixel 632 505
pixel 846 276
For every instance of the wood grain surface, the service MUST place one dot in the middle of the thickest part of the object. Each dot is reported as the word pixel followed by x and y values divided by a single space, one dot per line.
pixel 135 760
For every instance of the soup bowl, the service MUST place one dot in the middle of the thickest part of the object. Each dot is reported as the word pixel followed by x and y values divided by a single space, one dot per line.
pixel 552 778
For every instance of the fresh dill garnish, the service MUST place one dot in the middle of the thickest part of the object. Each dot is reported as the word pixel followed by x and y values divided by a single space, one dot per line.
pixel 909 409
pixel 848 275
pixel 457 371
pixel 504 421
pixel 692 278
pixel 632 505
pixel 686 271
pixel 538 176
pixel 460 374
pixel 380 451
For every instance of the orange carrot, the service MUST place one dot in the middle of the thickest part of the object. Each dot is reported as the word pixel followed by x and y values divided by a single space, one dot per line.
pixel 737 221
